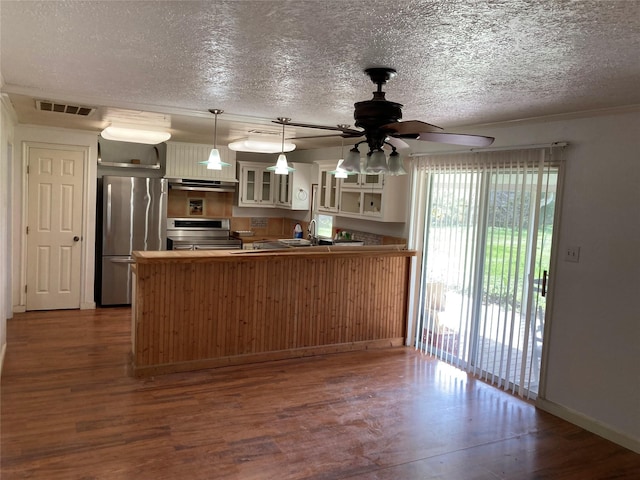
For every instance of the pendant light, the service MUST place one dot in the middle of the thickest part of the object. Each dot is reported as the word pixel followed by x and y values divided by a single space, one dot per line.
pixel 215 161
pixel 340 172
pixel 281 167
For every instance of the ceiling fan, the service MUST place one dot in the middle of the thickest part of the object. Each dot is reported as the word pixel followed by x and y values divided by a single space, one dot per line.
pixel 380 122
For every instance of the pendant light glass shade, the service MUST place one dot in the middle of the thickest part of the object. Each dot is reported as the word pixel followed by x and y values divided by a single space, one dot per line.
pixel 340 172
pixel 281 167
pixel 352 162
pixel 396 165
pixel 214 162
pixel 376 163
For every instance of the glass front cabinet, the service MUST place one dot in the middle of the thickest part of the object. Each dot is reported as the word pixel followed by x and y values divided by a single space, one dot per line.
pixel 327 189
pixel 256 185
pixel 260 187
pixel 382 198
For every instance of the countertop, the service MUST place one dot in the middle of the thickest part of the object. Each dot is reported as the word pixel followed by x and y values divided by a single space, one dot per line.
pixel 243 255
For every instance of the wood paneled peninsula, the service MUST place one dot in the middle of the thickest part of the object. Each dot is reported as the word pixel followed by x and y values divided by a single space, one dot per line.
pixel 204 309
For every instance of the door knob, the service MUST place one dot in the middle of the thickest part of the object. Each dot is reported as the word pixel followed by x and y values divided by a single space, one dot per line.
pixel 76 238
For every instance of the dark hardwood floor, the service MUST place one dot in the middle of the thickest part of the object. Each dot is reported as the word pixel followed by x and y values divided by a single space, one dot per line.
pixel 71 411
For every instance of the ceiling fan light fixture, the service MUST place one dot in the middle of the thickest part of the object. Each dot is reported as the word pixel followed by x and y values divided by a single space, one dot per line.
pixel 135 135
pixel 351 164
pixel 396 165
pixel 376 163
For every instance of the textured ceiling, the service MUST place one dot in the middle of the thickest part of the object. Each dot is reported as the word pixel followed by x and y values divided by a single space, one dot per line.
pixel 458 63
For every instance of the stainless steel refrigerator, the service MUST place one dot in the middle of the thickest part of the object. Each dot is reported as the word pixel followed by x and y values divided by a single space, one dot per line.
pixel 134 212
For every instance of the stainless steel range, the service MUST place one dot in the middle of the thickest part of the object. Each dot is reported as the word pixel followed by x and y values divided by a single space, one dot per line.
pixel 200 234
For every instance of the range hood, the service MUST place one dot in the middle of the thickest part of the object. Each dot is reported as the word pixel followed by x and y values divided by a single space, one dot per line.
pixel 201 185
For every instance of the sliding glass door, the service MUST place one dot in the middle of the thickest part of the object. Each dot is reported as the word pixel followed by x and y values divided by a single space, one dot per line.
pixel 488 227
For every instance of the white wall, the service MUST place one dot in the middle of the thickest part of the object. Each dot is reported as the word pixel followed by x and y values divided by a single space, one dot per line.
pixel 7 122
pixel 47 135
pixel 592 376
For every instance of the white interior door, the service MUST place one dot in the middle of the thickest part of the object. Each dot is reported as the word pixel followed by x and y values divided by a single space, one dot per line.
pixel 55 179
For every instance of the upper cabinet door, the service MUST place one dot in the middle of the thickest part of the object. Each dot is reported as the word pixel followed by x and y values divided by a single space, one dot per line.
pixel 256 185
pixel 363 180
pixel 328 190
pixel 184 161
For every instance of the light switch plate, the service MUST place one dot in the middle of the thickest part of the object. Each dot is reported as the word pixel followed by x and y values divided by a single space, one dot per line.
pixel 572 254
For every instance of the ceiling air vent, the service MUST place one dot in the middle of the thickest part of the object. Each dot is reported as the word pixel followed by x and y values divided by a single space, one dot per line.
pixel 48 106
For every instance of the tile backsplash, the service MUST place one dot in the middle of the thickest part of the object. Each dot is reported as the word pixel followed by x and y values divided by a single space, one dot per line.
pixel 214 204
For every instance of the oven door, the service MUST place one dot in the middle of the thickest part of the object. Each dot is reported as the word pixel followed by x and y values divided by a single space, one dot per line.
pixel 178 244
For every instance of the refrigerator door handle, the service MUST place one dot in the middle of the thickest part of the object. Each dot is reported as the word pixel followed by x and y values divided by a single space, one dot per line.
pixel 123 260
pixel 108 209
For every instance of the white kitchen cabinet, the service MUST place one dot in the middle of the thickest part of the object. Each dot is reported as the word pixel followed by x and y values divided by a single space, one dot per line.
pixel 364 180
pixel 256 185
pixel 260 187
pixel 328 188
pixel 293 190
pixel 386 199
pixel 183 161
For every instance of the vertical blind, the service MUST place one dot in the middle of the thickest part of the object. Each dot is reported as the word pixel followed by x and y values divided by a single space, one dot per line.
pixel 487 222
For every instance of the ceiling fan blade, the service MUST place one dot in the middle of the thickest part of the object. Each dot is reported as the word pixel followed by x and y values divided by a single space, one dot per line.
pixel 344 135
pixel 322 127
pixel 397 142
pixel 411 127
pixel 456 139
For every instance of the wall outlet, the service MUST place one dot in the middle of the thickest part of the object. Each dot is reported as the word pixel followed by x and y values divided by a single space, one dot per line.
pixel 572 254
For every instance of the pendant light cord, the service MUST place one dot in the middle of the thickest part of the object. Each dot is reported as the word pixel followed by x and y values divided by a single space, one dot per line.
pixel 215 132
pixel 282 149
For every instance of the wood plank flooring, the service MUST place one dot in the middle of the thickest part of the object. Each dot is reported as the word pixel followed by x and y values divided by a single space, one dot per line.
pixel 71 411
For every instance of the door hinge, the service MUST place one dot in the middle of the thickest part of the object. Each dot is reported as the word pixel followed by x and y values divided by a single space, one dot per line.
pixel 27 169
pixel 25 289
pixel 27 230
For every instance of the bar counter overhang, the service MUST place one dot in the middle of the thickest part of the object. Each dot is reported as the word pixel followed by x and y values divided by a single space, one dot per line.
pixel 203 309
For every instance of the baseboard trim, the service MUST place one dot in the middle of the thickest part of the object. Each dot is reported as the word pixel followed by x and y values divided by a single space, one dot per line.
pixel 589 424
pixel 19 308
pixel 2 352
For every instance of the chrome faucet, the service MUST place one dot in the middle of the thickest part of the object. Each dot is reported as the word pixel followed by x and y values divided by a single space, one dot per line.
pixel 311 230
